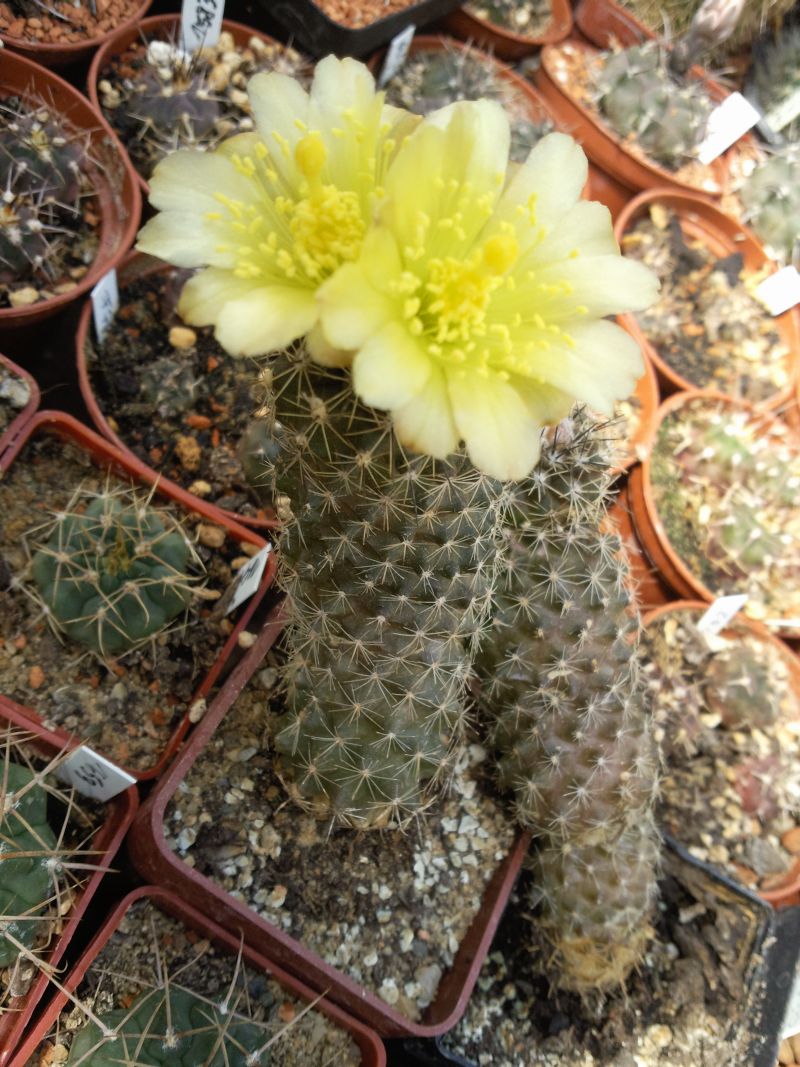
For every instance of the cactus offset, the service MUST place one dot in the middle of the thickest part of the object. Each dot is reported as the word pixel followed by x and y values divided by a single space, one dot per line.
pixel 561 684
pixel 388 562
pixel 640 98
pixel 112 571
pixel 771 198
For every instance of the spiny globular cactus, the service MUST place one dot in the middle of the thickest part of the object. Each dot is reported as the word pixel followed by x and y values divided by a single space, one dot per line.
pixel 771 198
pixel 640 98
pixel 388 561
pixel 27 852
pixel 560 674
pixel 113 570
pixel 171 1027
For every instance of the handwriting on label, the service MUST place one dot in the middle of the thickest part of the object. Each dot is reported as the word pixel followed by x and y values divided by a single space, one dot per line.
pixel 105 303
pixel 396 55
pixel 93 775
pixel 721 612
pixel 201 23
pixel 726 124
pixel 249 578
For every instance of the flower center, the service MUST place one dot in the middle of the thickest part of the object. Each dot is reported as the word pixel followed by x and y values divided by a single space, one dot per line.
pixel 327 230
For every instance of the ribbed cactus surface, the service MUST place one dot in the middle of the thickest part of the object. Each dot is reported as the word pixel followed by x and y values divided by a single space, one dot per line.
pixel 388 561
pixel 170 1027
pixel 27 848
pixel 561 681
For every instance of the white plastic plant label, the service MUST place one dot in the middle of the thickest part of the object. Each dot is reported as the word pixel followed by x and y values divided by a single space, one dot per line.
pixel 93 775
pixel 721 612
pixel 396 55
pixel 784 112
pixel 201 23
pixel 780 291
pixel 726 124
pixel 105 303
pixel 791 1018
pixel 249 578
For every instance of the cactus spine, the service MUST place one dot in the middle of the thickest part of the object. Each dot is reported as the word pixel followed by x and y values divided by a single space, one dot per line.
pixel 388 562
pixel 561 682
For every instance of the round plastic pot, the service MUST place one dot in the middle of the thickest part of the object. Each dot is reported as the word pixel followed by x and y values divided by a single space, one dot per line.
pixel 603 22
pixel 154 28
pixel 57 54
pixel 134 267
pixel 157 863
pixel 372 1052
pixel 788 893
pixel 13 428
pixel 723 236
pixel 111 175
pixel 647 523
pixel 105 455
pixel 119 812
pixel 506 43
pixel 601 143
pixel 650 591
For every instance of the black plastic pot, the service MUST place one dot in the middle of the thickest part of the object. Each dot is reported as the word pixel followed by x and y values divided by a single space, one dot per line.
pixel 314 32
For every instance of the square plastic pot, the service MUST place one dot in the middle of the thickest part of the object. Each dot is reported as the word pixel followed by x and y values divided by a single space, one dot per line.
pixel 158 864
pixel 120 810
pixel 372 1050
pixel 9 435
pixel 104 455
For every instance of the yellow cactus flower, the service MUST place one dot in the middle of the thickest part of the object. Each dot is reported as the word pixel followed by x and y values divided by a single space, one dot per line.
pixel 272 214
pixel 477 304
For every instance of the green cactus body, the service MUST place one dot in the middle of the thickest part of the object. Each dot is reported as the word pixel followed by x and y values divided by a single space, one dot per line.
pixel 25 880
pixel 771 197
pixel 170 1028
pixel 640 98
pixel 738 688
pixel 38 156
pixel 389 563
pixel 561 682
pixel 113 574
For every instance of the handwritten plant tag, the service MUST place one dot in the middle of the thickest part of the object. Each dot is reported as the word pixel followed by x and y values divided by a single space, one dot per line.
pixel 93 775
pixel 105 303
pixel 201 23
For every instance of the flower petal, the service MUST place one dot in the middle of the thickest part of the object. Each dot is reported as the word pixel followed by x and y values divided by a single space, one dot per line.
pixel 587 229
pixel 546 404
pixel 205 295
pixel 554 174
pixel 265 319
pixel 390 368
pixel 278 103
pixel 189 181
pixel 324 353
pixel 501 434
pixel 425 424
pixel 351 307
pixel 184 239
pixel 603 285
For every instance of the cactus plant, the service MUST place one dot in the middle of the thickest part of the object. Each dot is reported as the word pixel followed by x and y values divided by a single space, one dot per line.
pixel 771 198
pixel 774 82
pixel 675 17
pixel 640 98
pixel 27 849
pixel 112 570
pixel 388 563
pixel 561 685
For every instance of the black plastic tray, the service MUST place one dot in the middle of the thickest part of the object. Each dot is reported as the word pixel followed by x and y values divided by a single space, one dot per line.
pixel 312 30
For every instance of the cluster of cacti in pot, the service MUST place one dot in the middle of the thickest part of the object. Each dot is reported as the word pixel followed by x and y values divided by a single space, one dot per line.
pixel 428 310
pixel 771 199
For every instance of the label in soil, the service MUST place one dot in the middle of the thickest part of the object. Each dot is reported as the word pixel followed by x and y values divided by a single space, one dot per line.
pixel 248 579
pixel 93 775
pixel 726 124
pixel 201 23
pixel 791 1018
pixel 780 291
pixel 721 612
pixel 105 303
pixel 396 55
pixel 784 112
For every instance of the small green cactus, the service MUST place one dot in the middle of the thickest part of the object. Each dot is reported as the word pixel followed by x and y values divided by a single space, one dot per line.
pixel 170 1027
pixel 771 198
pixel 640 98
pixel 27 852
pixel 113 571
pixel 38 155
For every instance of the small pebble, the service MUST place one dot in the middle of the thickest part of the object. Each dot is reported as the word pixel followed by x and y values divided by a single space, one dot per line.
pixel 182 337
pixel 211 536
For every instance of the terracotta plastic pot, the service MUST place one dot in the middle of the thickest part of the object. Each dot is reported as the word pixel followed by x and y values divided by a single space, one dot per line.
pixel 372 1051
pixel 134 267
pixel 609 151
pixel 112 176
pixel 13 428
pixel 647 523
pixel 105 455
pixel 603 22
pixel 506 43
pixel 788 893
pixel 158 28
pixel 59 54
pixel 650 591
pixel 702 221
pixel 119 812
pixel 157 863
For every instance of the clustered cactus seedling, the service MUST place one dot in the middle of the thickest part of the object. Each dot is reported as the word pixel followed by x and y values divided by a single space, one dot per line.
pixel 641 98
pixel 112 570
pixel 167 99
pixel 771 198
pixel 562 688
pixel 431 79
